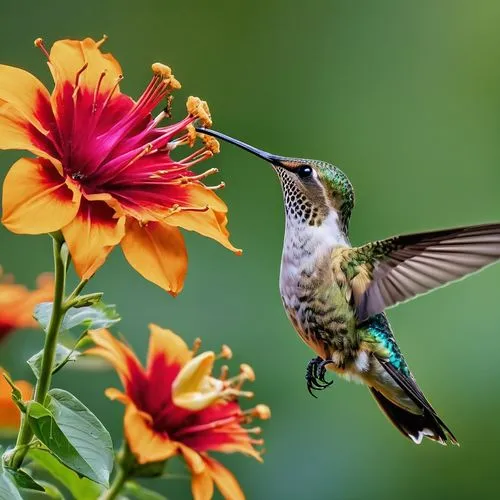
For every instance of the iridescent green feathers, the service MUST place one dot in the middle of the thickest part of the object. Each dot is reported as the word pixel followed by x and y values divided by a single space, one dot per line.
pixel 340 190
pixel 386 272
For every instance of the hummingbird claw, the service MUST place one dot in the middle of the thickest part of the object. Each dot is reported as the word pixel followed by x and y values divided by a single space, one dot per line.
pixel 315 375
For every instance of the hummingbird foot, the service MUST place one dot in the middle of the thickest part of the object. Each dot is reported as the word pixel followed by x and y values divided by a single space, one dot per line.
pixel 315 375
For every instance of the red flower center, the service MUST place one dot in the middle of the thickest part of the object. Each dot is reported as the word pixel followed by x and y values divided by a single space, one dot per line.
pixel 110 144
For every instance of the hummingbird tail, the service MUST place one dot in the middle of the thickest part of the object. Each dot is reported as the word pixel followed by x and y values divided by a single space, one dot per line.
pixel 413 426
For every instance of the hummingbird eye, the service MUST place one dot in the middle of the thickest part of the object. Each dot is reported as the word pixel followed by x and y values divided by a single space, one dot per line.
pixel 304 171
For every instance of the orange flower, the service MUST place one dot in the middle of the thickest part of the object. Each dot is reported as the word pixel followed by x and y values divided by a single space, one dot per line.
pixel 175 407
pixel 10 416
pixel 17 302
pixel 103 174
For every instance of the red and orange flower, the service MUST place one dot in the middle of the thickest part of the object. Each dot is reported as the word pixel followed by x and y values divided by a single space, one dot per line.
pixel 17 303
pixel 103 172
pixel 10 416
pixel 175 406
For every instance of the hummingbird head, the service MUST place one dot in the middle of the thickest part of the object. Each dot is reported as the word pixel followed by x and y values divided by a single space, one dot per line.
pixel 312 189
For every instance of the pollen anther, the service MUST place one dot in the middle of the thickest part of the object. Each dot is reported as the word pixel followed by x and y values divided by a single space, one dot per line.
pixel 39 43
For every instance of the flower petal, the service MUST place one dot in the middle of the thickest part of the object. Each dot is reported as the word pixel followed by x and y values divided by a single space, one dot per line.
pixel 146 444
pixel 121 357
pixel 202 486
pixel 116 395
pixel 224 479
pixel 91 236
pixel 36 199
pixel 68 57
pixel 10 416
pixel 165 344
pixel 16 132
pixel 200 196
pixel 25 94
pixel 193 389
pixel 166 355
pixel 193 459
pixel 157 252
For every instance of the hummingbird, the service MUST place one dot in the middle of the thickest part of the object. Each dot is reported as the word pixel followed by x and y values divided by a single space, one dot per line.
pixel 335 294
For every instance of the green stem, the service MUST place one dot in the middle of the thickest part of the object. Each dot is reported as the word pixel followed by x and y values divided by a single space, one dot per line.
pixel 77 290
pixel 49 352
pixel 125 462
pixel 117 484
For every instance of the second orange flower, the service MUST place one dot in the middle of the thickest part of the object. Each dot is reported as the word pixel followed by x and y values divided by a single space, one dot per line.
pixel 103 172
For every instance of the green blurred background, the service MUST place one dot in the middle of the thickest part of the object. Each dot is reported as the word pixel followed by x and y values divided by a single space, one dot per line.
pixel 405 97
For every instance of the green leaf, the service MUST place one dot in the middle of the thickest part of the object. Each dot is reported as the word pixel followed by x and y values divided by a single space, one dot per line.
pixel 51 491
pixel 140 492
pixel 63 355
pixel 80 488
pixel 23 480
pixel 85 318
pixel 8 488
pixel 87 300
pixel 73 434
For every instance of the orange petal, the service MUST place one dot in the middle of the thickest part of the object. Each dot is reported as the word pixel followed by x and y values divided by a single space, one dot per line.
pixel 36 199
pixel 146 444
pixel 167 344
pixel 209 223
pixel 10 415
pixel 16 132
pixel 200 196
pixel 157 252
pixel 121 357
pixel 91 236
pixel 116 395
pixel 202 486
pixel 23 93
pixel 193 459
pixel 68 57
pixel 225 480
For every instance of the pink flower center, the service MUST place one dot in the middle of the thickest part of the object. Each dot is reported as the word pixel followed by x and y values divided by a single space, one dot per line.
pixel 110 144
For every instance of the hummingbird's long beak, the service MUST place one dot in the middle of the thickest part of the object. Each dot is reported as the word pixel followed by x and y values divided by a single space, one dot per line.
pixel 274 159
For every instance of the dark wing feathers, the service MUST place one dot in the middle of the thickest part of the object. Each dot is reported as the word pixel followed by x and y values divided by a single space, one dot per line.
pixel 405 266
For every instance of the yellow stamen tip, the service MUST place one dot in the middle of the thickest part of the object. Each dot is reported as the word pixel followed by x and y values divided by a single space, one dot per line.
pixel 199 109
pixel 226 352
pixel 162 70
pixel 211 144
pixel 247 372
pixel 191 135
pixel 38 42
pixel 174 83
pixel 262 411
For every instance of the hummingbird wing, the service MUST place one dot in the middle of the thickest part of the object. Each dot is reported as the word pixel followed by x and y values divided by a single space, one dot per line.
pixel 386 272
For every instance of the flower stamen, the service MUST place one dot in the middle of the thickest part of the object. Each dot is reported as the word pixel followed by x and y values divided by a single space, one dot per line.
pixel 77 78
pixel 225 352
pixel 40 44
pixel 199 177
pixel 96 91
pixel 196 345
pixel 203 155
pixel 224 371
pixel 102 40
pixel 119 78
pixel 221 185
